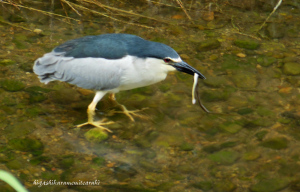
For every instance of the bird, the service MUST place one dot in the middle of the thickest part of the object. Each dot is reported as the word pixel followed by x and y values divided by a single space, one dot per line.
pixel 109 63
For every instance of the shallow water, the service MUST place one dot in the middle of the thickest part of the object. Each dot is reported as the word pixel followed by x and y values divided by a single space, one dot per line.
pixel 250 141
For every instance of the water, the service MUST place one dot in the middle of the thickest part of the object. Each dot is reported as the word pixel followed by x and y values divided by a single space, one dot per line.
pixel 250 142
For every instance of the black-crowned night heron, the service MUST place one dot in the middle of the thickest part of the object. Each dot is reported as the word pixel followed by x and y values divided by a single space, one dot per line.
pixel 110 63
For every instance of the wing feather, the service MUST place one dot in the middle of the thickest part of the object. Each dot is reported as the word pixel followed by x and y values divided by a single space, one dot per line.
pixel 88 73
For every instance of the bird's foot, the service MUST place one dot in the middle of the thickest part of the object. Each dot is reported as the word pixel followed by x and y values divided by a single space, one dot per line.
pixel 97 124
pixel 130 114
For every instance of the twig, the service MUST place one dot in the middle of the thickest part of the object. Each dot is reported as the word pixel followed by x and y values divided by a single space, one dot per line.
pixel 65 10
pixel 182 7
pixel 251 36
pixel 159 3
pixel 14 25
pixel 65 1
pixel 105 15
pixel 44 12
pixel 238 31
pixel 123 11
pixel 275 8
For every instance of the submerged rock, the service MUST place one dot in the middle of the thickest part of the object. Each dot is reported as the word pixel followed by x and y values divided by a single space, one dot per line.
pixel 224 186
pixel 65 96
pixel 6 62
pixel 215 95
pixel 245 80
pixel 291 68
pixel 275 143
pixel 270 185
pixel 247 44
pixel 14 164
pixel 266 61
pixel 276 30
pixel 251 156
pixel 124 171
pixel 208 45
pixel 186 146
pixel 231 128
pixel 204 185
pixel 28 145
pixel 96 135
pixel 19 129
pixel 260 135
pixel 66 162
pixel 224 157
pixel 215 81
pixel 12 85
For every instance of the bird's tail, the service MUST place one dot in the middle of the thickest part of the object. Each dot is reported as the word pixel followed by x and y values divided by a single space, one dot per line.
pixel 46 67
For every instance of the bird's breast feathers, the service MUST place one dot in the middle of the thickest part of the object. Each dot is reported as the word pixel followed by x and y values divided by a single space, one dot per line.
pixel 140 72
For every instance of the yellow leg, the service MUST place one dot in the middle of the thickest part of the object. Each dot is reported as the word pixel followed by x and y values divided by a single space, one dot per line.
pixel 91 113
pixel 128 113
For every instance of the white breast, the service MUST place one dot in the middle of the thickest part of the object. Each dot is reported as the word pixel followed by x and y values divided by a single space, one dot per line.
pixel 139 72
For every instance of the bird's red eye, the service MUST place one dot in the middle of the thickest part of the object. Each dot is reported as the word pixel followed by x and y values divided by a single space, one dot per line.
pixel 167 60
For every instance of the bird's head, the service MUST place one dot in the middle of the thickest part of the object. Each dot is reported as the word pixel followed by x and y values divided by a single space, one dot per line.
pixel 182 66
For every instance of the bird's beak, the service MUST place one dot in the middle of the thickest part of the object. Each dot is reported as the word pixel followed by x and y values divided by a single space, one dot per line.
pixel 186 68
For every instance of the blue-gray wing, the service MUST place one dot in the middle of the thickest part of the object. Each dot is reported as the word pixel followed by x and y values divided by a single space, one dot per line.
pixel 108 46
pixel 88 73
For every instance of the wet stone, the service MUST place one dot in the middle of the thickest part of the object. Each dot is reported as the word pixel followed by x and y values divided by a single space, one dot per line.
pixel 260 135
pixel 245 80
pixel 289 59
pixel 204 185
pixel 263 111
pixel 263 122
pixel 39 159
pixel 275 143
pixel 65 96
pixel 166 186
pixel 295 185
pixel 149 154
pixel 149 166
pixel 142 142
pixel 215 81
pixel 15 164
pixel 289 169
pixel 37 94
pixel 124 171
pixel 266 61
pixel 224 157
pixel 211 148
pixel 270 185
pixel 291 68
pixel 27 144
pixel 49 175
pixel 66 162
pixel 186 146
pixel 100 161
pixel 247 44
pixel 96 135
pixel 12 85
pixel 214 95
pixel 125 188
pixel 19 129
pixel 275 30
pixel 208 45
pixel 228 144
pixel 224 186
pixel 251 156
pixel 6 62
pixel 245 111
pixel 231 128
